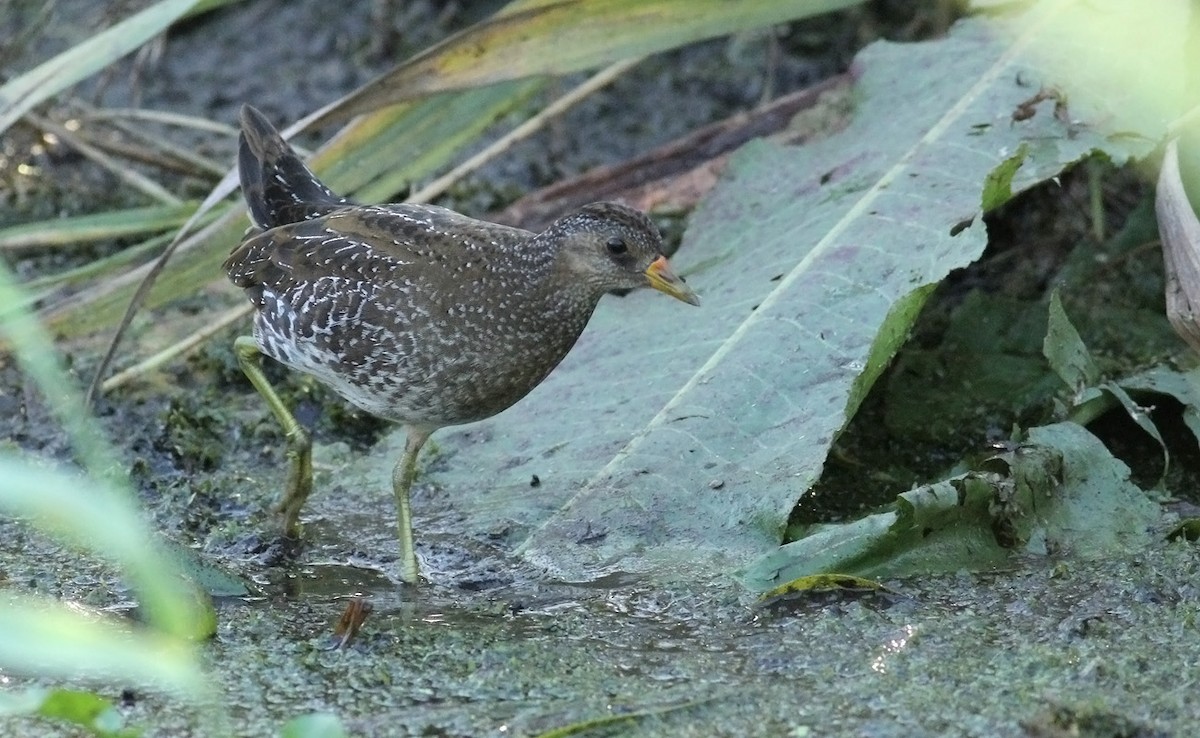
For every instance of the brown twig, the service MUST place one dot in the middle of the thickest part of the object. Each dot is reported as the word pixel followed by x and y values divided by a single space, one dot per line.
pixel 697 149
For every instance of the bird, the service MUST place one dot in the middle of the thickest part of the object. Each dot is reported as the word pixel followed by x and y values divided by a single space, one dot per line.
pixel 415 313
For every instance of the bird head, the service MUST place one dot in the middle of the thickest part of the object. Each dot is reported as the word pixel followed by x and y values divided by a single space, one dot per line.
pixel 608 246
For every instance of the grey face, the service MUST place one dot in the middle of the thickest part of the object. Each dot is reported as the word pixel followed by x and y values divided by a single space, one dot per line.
pixel 609 246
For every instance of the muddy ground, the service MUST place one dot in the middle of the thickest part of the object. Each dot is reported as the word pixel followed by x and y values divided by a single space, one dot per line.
pixel 489 647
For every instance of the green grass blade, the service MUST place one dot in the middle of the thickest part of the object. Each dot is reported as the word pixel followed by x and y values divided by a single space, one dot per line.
pixel 549 37
pixel 96 227
pixel 379 155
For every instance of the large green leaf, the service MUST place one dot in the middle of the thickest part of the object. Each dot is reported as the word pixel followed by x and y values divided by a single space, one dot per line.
pixel 1060 493
pixel 830 249
pixel 674 438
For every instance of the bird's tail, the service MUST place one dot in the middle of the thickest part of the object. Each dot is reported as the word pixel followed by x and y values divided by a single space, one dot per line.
pixel 278 187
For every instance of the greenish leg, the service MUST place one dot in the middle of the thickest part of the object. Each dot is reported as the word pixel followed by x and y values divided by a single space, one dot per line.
pixel 299 445
pixel 402 480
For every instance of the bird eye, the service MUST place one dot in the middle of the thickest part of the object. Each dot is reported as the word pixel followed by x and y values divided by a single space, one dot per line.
pixel 616 246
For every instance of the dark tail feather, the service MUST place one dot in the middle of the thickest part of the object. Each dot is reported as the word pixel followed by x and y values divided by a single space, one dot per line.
pixel 277 186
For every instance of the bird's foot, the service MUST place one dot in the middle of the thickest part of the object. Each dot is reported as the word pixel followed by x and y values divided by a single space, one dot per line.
pixel 299 482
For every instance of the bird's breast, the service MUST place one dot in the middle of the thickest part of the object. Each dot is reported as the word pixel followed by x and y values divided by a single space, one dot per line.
pixel 414 353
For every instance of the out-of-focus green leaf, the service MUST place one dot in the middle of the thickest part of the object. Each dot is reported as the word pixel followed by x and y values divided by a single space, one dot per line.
pixel 1062 492
pixel 49 640
pixel 34 351
pixel 99 518
pixel 86 709
pixel 1126 69
pixel 551 37
pixel 315 725
pixel 46 639
pixel 1119 66
pixel 24 91
pixel 85 228
pixel 97 513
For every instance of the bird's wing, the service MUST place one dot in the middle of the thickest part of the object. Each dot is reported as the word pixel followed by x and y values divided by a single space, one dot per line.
pixel 368 244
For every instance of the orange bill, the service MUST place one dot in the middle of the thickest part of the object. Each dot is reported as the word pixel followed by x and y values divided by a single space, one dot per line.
pixel 662 278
